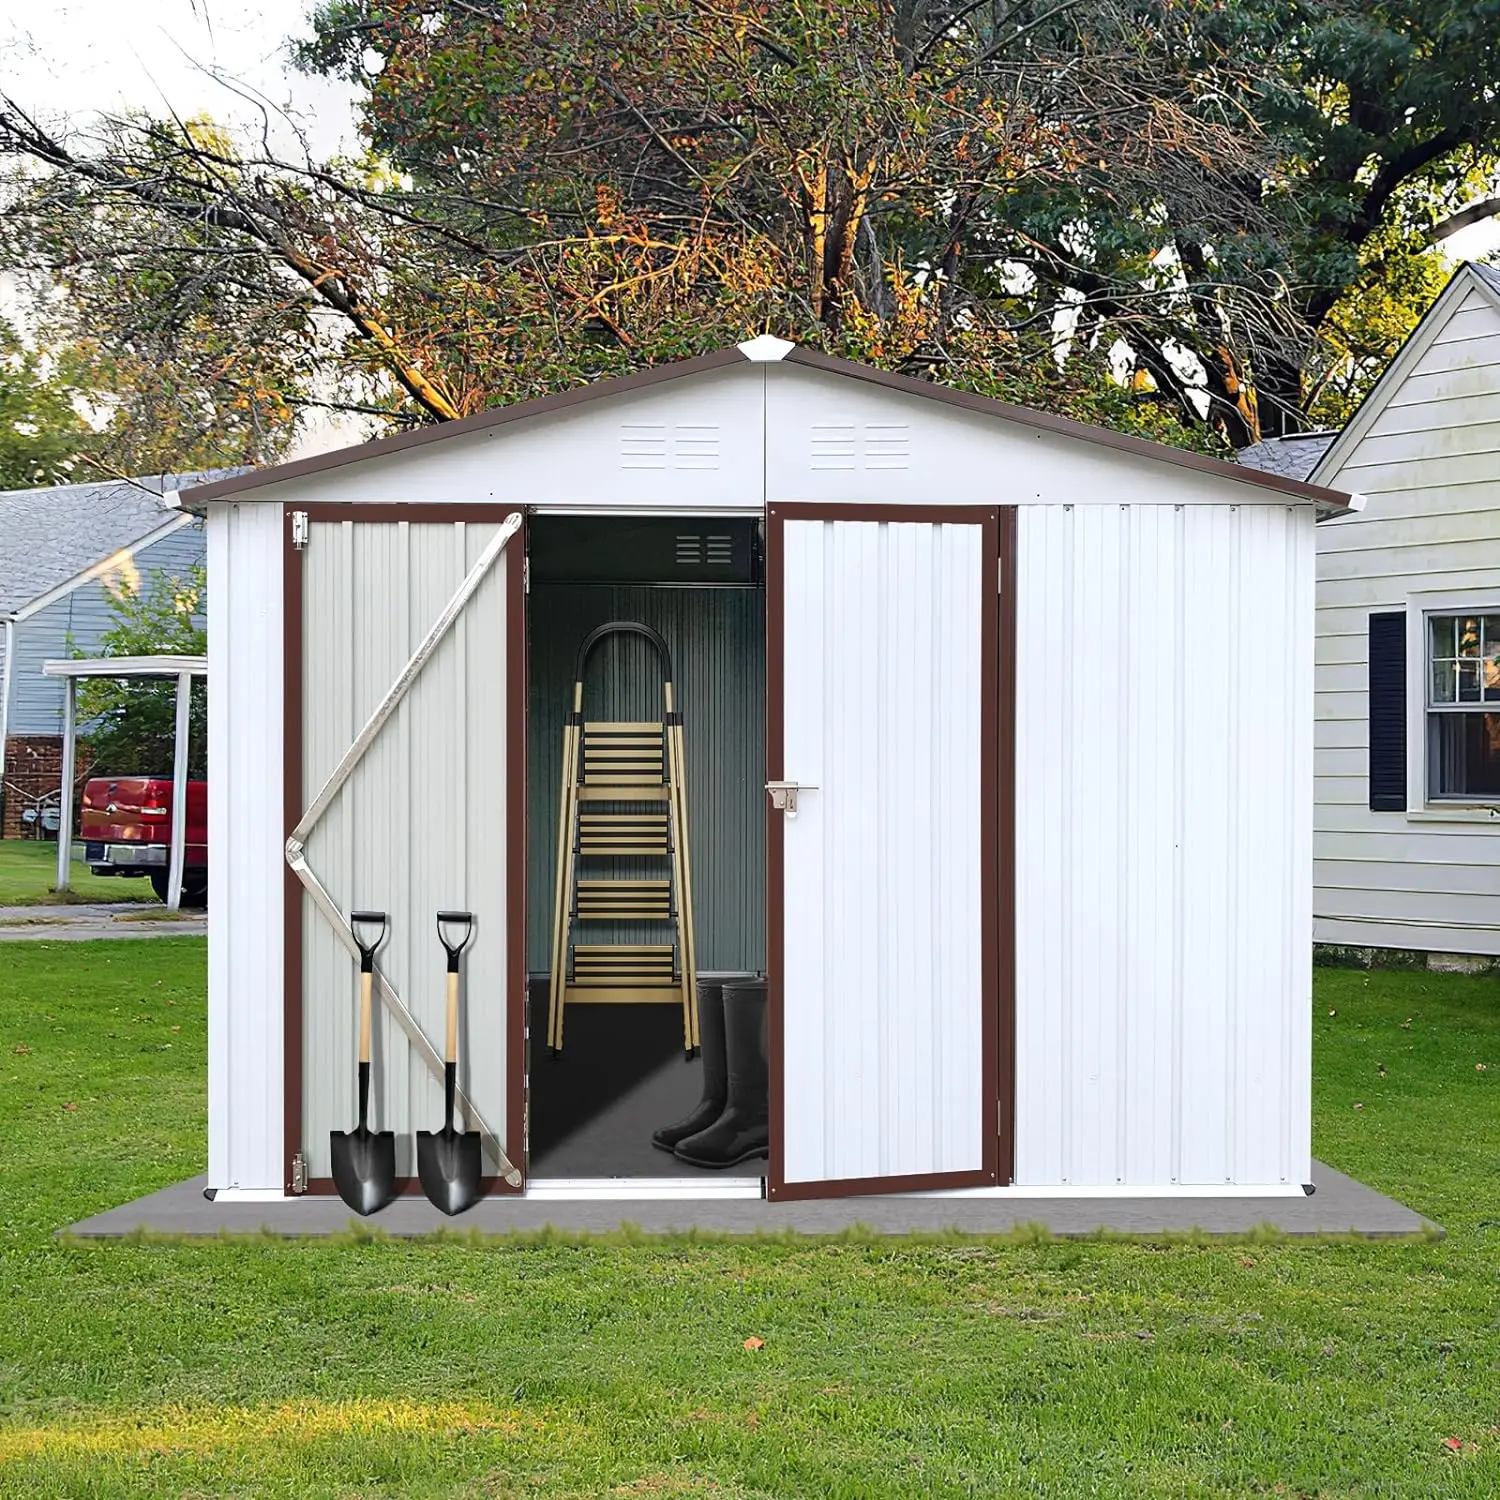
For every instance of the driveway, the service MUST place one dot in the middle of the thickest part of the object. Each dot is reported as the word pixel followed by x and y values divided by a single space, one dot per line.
pixel 116 919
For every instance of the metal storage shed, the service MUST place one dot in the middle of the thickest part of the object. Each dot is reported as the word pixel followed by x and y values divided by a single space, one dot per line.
pixel 1043 917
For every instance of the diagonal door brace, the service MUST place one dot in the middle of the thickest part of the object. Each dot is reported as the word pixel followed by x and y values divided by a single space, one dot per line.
pixel 296 843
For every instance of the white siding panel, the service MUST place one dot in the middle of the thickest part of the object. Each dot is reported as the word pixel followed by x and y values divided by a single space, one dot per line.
pixel 1370 932
pixel 246 868
pixel 1164 750
pixel 419 827
pixel 831 441
pixel 693 445
pixel 1429 464
pixel 883 1044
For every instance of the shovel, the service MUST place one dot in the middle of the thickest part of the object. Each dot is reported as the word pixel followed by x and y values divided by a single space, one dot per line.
pixel 364 1161
pixel 449 1163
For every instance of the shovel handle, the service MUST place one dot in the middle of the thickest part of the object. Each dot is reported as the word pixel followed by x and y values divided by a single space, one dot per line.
pixel 464 921
pixel 376 919
pixel 451 1055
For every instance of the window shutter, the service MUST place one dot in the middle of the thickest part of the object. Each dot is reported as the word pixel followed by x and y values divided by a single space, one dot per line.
pixel 1388 712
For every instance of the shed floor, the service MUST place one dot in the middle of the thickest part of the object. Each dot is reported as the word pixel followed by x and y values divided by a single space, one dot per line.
pixel 1340 1206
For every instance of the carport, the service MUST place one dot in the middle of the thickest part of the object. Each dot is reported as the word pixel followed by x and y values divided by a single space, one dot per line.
pixel 184 669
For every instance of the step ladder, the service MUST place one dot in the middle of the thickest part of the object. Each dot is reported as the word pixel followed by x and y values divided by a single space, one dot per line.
pixel 624 796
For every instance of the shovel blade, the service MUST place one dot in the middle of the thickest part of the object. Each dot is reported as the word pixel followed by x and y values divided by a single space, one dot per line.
pixel 450 1167
pixel 364 1167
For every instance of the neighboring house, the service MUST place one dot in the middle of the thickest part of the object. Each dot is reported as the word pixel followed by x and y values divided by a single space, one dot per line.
pixel 1407 841
pixel 64 553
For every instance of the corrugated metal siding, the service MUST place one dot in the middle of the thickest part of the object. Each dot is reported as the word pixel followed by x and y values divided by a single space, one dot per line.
pixel 79 620
pixel 717 641
pixel 420 826
pixel 247 871
pixel 1164 770
pixel 883 1003
pixel 1427 464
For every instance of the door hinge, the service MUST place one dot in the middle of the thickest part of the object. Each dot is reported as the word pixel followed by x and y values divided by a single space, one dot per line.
pixel 300 529
pixel 525 575
pixel 299 1173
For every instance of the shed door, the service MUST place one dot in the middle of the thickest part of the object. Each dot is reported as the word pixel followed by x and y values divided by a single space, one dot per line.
pixel 882 700
pixel 429 818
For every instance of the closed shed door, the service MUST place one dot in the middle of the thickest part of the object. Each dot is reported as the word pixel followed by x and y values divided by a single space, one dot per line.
pixel 428 819
pixel 883 706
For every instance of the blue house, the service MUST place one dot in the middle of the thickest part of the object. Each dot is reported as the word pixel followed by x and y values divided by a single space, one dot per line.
pixel 65 553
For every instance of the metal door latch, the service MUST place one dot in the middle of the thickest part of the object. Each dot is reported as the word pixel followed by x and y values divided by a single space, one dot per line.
pixel 299 1173
pixel 784 795
pixel 300 529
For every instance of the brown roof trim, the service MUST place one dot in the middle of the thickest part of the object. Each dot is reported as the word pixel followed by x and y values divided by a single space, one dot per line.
pixel 1068 427
pixel 599 390
pixel 497 416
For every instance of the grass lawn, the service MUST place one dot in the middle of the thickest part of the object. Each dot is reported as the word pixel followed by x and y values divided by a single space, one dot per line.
pixel 549 1368
pixel 28 870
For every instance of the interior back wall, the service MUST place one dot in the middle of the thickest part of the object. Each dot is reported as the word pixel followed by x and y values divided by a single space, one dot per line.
pixel 717 640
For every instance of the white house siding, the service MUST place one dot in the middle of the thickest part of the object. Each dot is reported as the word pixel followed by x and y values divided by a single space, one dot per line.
pixel 246 871
pixel 1163 974
pixel 1429 463
pixel 79 618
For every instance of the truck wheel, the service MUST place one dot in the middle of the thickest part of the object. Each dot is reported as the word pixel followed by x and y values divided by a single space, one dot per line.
pixel 194 888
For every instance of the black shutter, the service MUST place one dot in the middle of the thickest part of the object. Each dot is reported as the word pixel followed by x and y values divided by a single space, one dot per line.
pixel 1388 712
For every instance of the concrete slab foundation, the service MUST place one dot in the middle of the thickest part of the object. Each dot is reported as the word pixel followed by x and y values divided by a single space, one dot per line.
pixel 1339 1206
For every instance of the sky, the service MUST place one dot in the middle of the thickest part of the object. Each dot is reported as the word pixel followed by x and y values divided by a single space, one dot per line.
pixel 78 56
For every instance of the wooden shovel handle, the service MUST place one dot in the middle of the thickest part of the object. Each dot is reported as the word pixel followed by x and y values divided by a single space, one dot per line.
pixel 452 1053
pixel 366 988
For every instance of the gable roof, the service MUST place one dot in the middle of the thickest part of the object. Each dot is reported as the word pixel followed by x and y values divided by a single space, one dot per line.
pixel 759 350
pixel 1294 456
pixel 49 536
pixel 1468 277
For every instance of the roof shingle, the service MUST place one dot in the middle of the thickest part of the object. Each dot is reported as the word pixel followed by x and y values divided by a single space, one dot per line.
pixel 48 536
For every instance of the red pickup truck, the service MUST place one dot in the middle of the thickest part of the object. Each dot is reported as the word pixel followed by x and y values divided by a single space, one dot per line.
pixel 126 829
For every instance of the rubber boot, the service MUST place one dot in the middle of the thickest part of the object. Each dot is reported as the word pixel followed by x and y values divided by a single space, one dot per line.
pixel 744 1129
pixel 715 1077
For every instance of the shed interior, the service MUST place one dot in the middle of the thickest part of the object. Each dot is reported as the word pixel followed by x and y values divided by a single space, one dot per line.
pixel 697 582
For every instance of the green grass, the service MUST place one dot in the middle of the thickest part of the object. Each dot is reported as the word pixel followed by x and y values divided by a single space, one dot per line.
pixel 28 872
pixel 548 1368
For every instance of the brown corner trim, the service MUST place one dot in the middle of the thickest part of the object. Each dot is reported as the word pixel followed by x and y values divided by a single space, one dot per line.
pixel 517 1146
pixel 1004 824
pixel 291 815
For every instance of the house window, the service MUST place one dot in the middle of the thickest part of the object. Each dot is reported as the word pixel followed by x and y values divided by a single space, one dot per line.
pixel 1463 707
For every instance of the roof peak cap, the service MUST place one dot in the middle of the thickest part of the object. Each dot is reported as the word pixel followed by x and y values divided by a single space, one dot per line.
pixel 766 348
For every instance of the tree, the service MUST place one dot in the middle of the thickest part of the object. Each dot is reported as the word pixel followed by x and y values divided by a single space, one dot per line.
pixel 43 436
pixel 1004 196
pixel 131 723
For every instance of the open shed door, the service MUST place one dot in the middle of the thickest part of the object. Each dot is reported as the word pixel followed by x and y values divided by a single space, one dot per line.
pixel 883 700
pixel 405 794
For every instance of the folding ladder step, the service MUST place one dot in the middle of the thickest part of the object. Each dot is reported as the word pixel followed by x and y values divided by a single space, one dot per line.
pixel 624 900
pixel 622 755
pixel 608 964
pixel 622 833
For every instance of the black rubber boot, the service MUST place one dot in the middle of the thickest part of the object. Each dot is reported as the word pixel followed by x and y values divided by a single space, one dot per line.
pixel 715 1078
pixel 743 1130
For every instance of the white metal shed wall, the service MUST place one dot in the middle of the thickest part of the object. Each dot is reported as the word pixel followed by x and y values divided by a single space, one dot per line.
pixel 1163 817
pixel 1425 878
pixel 245 868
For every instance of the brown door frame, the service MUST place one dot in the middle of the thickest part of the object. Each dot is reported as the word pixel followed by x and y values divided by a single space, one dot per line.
pixel 515 822
pixel 997 843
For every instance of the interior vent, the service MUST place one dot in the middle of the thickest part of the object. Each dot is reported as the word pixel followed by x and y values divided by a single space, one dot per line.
pixel 689 551
pixel 720 551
